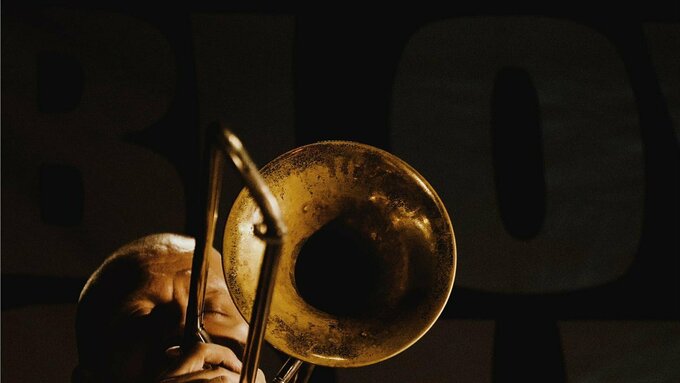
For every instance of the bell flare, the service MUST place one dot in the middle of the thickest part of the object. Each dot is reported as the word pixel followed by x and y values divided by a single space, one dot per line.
pixel 368 261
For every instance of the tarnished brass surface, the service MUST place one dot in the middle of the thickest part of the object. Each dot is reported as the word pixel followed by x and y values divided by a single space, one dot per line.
pixel 396 214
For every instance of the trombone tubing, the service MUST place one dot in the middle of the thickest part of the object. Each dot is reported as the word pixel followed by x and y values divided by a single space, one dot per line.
pixel 193 329
pixel 221 140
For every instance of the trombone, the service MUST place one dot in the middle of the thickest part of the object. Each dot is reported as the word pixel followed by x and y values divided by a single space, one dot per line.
pixel 394 236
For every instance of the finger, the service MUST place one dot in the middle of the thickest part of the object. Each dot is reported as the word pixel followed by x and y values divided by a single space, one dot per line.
pixel 213 375
pixel 204 354
pixel 260 377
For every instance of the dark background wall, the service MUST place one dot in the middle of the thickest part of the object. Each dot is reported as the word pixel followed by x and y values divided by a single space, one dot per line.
pixel 551 134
